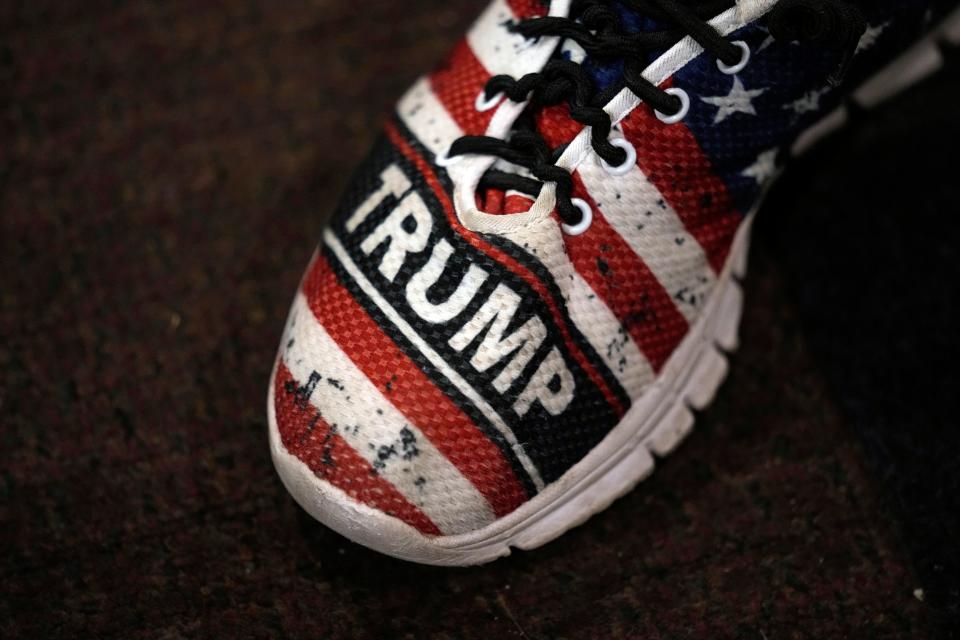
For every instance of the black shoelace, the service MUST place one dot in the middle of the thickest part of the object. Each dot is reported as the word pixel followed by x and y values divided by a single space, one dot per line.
pixel 598 29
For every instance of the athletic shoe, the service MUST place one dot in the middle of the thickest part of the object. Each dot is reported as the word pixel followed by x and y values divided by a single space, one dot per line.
pixel 532 279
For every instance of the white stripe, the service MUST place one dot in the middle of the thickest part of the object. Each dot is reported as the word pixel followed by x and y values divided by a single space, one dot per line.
pixel 640 214
pixel 455 378
pixel 356 408
pixel 424 115
pixel 608 337
pixel 498 49
pixel 589 313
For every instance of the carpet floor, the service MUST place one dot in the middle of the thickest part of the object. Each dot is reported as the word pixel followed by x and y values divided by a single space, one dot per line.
pixel 165 168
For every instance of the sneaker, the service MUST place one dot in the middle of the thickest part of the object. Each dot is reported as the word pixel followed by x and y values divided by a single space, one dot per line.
pixel 532 280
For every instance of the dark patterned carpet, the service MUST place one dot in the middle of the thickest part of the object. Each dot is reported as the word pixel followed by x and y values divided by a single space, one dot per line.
pixel 164 171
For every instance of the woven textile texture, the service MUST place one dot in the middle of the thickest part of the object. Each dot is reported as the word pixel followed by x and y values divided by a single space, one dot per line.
pixel 470 360
pixel 164 171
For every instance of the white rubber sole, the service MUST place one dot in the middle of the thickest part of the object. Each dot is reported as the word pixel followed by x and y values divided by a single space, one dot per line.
pixel 653 427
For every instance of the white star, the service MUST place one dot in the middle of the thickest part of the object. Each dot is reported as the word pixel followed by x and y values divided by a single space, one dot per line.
pixel 807 102
pixel 764 168
pixel 869 37
pixel 766 43
pixel 739 100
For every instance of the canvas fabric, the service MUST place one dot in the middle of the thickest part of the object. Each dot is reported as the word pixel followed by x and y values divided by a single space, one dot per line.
pixel 444 375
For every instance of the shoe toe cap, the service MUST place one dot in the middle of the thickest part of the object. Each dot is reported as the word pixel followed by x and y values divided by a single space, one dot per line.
pixel 358 442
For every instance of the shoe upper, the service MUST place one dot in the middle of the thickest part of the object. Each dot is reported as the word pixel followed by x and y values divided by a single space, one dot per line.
pixel 450 352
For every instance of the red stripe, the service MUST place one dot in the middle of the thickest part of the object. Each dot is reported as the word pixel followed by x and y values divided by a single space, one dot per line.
pixel 527 8
pixel 457 82
pixel 671 158
pixel 628 287
pixel 556 125
pixel 411 391
pixel 306 435
pixel 507 261
pixel 515 203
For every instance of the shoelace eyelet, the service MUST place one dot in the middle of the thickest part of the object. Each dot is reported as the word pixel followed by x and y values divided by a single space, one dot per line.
pixel 681 113
pixel 740 66
pixel 586 218
pixel 444 160
pixel 564 80
pixel 627 164
pixel 482 103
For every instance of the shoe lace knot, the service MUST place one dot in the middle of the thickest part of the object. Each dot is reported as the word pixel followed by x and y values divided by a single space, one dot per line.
pixel 597 26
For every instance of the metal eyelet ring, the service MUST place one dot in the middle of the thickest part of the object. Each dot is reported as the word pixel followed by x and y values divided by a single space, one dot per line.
pixel 627 164
pixel 744 59
pixel 586 218
pixel 483 103
pixel 681 113
pixel 444 160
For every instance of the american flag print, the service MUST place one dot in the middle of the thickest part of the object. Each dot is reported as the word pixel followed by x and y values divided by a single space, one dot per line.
pixel 445 376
